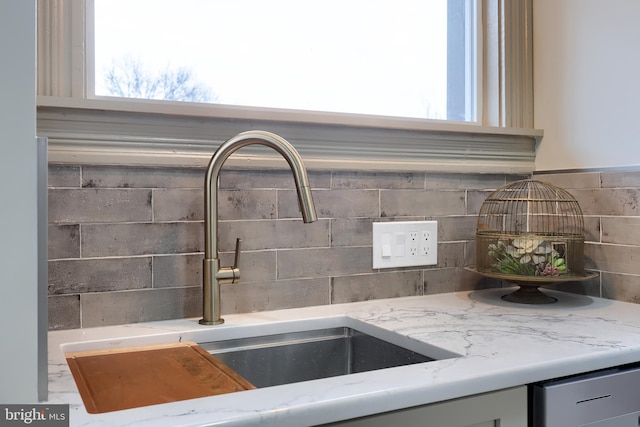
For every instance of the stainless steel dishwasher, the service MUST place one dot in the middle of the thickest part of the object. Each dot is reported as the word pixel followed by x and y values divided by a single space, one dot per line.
pixel 608 398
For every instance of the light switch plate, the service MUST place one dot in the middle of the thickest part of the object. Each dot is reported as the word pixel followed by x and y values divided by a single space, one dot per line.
pixel 405 244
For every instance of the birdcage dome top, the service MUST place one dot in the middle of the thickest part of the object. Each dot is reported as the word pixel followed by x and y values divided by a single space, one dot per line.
pixel 531 207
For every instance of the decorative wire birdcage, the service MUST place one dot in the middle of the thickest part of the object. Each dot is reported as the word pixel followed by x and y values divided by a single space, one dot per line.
pixel 530 233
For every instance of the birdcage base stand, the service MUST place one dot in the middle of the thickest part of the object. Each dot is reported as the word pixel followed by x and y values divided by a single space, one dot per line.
pixel 529 287
pixel 529 293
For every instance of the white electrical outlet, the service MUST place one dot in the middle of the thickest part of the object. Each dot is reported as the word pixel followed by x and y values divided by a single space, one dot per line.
pixel 425 245
pixel 405 244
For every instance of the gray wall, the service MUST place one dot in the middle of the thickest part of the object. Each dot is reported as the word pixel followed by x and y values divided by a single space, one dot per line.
pixel 125 243
pixel 18 251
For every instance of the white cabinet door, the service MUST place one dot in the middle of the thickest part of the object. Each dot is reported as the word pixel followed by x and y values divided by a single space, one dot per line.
pixel 504 408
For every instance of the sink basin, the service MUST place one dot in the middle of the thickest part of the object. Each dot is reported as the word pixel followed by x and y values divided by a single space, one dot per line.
pixel 321 352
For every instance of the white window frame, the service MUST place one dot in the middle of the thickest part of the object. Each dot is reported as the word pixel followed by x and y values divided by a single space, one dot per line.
pixel 152 133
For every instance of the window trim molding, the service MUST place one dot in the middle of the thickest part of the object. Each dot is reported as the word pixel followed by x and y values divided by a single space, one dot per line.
pixel 142 132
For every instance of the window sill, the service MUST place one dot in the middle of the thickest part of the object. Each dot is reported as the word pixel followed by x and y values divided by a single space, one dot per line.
pixel 139 132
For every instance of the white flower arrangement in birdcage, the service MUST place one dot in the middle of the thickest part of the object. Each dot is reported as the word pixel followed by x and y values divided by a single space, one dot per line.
pixel 528 256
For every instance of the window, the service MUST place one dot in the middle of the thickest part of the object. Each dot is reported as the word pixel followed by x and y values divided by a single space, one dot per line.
pixel 384 57
pixel 484 123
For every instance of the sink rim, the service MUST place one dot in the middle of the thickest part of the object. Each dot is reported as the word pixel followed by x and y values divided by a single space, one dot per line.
pixel 228 331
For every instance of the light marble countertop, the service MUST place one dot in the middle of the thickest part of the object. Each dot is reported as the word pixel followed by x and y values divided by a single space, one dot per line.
pixel 500 345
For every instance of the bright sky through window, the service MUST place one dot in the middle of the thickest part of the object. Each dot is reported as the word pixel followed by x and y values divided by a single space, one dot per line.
pixel 356 56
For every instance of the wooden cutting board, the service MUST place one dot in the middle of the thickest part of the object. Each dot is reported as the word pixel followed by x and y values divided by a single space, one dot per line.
pixel 124 378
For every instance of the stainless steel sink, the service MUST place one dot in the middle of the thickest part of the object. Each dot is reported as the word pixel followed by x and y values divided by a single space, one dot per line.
pixel 289 351
pixel 295 356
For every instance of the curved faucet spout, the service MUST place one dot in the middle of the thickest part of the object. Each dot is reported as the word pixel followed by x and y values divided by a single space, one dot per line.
pixel 213 274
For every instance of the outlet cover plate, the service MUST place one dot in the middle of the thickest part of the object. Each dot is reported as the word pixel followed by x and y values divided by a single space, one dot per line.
pixel 405 244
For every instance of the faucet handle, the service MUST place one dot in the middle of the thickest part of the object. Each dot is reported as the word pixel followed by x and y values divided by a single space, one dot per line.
pixel 228 275
pixel 236 261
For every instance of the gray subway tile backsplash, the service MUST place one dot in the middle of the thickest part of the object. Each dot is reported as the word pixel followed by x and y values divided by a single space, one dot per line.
pixel 139 305
pixel 620 179
pixel 242 179
pixel 178 204
pixel 73 205
pixel 456 181
pixel 456 227
pixel 76 276
pixel 340 203
pixel 620 230
pixel 323 262
pixel 141 177
pixel 65 176
pixel 64 241
pixel 364 287
pixel 277 294
pixel 274 234
pixel 140 238
pixel 403 203
pixel 608 201
pixel 64 311
pixel 378 180
pixel 125 243
pixel 352 231
pixel 475 198
pixel 571 181
pixel 247 204
pixel 622 287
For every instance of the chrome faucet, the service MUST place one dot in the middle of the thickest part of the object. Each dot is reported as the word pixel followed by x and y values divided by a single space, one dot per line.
pixel 213 275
